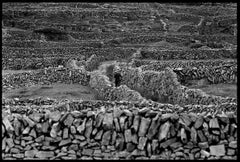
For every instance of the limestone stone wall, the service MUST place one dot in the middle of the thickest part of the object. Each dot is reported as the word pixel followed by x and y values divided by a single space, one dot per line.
pixel 45 76
pixel 116 131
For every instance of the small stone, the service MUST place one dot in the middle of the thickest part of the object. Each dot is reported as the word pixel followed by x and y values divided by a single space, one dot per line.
pixel 201 136
pixel 9 142
pixel 185 120
pixel 30 153
pixel 73 130
pixel 44 154
pixel 55 116
pixel 130 147
pixel 144 125
pixel 122 122
pixel 17 126
pixel 214 123
pixel 163 131
pixel 26 130
pixel 199 122
pixel 99 120
pixel 97 153
pixel 114 136
pixel 120 142
pixel 106 138
pixel 149 149
pixel 143 111
pixel 108 121
pixel 117 112
pixel 176 145
pixel 76 122
pixel 81 127
pixel 14 150
pixel 80 137
pixel 87 152
pixel 65 133
pixel 223 118
pixel 99 135
pixel 193 135
pixel 217 150
pixel 40 139
pixel 82 144
pixel 154 145
pixel 33 133
pixel 88 128
pixel 39 127
pixel 183 135
pixel 153 129
pixel 233 144
pixel 45 127
pixel 65 142
pixel 90 114
pixel 55 129
pixel 230 152
pixel 142 143
pixel 8 126
pixel 205 153
pixel 18 156
pixel 136 122
pixel 69 120
pixel 36 117
pixel 117 126
pixel 203 145
pixel 29 121
pixel 179 153
pixel 127 134
pixel 168 142
pixel 28 138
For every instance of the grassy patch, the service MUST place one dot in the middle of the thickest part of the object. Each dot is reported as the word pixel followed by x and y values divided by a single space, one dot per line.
pixel 224 90
pixel 57 91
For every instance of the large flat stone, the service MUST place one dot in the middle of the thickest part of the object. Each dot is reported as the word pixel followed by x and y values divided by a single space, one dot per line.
pixel 217 150
pixel 144 125
pixel 108 121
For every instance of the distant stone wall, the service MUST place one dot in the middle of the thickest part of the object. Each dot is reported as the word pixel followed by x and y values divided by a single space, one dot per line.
pixel 116 131
pixel 221 71
pixel 29 58
pixel 45 76
pixel 189 54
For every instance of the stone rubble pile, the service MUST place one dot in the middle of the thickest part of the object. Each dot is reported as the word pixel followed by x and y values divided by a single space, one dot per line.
pixel 118 133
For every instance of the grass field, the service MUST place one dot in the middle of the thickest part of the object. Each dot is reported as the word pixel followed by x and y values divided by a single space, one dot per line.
pixel 56 91
pixel 224 90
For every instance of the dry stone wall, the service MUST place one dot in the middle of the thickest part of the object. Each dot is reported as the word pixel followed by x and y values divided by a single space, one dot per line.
pixel 117 131
pixel 164 87
pixel 215 72
pixel 18 58
pixel 45 76
pixel 189 54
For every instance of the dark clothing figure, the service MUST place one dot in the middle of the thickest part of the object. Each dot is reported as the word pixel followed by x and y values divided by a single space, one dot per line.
pixel 118 79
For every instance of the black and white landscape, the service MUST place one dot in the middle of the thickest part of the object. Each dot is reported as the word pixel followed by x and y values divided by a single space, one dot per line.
pixel 117 81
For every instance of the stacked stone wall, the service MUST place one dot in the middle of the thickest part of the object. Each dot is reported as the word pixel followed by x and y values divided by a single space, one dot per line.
pixel 116 131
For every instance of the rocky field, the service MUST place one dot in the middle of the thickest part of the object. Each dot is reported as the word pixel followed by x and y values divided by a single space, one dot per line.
pixel 175 99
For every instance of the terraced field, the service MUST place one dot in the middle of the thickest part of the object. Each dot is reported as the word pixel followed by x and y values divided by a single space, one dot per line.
pixel 119 81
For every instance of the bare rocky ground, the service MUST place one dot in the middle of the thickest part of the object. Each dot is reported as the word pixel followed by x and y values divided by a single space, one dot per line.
pixel 165 52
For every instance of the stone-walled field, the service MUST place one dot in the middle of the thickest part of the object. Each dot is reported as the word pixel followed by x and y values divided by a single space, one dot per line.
pixel 141 60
